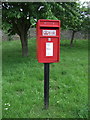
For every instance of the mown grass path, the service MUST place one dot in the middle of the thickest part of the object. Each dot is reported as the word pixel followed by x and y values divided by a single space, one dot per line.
pixel 23 82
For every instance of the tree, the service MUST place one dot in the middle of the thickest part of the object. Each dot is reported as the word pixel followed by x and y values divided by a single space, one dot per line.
pixel 80 21
pixel 86 21
pixel 17 18
pixel 70 15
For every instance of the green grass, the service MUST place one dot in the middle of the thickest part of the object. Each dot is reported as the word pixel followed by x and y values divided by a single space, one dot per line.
pixel 23 82
pixel 0 79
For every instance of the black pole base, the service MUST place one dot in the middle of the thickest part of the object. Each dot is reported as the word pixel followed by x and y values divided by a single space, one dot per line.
pixel 46 85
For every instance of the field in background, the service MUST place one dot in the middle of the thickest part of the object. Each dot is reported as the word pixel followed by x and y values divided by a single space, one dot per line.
pixel 23 82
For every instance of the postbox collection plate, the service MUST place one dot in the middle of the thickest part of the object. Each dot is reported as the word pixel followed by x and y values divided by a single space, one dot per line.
pixel 49 32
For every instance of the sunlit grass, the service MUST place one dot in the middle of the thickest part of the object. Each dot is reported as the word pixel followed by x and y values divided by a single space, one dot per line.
pixel 23 82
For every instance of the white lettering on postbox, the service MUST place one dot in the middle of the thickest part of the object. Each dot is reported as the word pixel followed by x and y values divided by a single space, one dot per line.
pixel 49 48
pixel 49 32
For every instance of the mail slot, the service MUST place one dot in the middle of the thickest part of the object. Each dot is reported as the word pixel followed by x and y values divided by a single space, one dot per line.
pixel 48 41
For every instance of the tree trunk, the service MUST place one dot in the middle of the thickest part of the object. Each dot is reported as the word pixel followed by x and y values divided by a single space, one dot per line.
pixel 24 43
pixel 73 33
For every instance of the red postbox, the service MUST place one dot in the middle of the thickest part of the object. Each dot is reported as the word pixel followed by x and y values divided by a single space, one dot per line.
pixel 48 41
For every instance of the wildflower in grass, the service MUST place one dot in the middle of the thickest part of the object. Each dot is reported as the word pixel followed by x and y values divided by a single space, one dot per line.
pixel 58 101
pixel 6 104
pixel 5 108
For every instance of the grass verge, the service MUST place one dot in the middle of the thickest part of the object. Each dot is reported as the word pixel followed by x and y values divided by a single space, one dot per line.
pixel 23 82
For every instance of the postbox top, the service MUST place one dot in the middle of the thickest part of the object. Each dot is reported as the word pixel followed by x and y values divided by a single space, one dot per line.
pixel 48 23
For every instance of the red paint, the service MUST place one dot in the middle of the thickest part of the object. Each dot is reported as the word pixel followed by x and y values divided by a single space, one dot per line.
pixel 48 31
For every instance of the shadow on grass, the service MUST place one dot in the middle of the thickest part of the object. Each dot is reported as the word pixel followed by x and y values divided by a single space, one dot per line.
pixel 78 44
pixel 13 55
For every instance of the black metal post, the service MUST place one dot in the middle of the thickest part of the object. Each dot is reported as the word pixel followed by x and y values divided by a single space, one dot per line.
pixel 46 85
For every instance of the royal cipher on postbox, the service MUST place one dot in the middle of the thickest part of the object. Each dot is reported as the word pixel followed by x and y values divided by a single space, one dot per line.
pixel 48 41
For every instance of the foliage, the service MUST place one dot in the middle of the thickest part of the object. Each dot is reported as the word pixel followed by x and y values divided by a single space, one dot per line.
pixel 86 20
pixel 68 13
pixel 19 15
pixel 23 82
pixel 73 16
